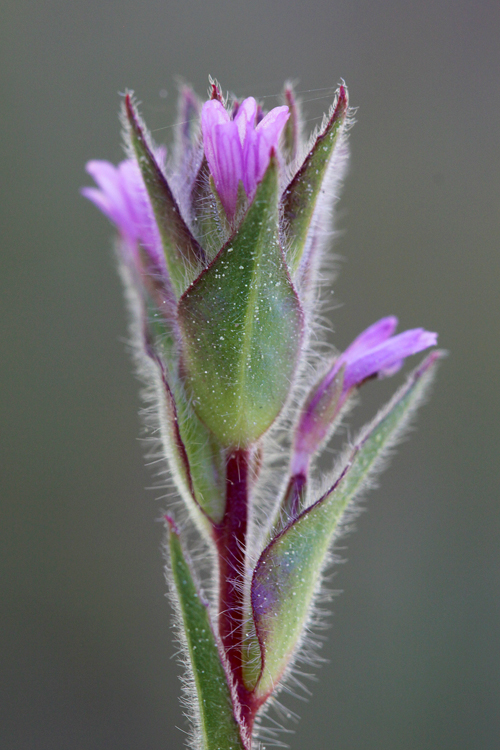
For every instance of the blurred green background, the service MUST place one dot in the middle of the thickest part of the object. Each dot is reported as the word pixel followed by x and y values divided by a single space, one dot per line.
pixel 414 655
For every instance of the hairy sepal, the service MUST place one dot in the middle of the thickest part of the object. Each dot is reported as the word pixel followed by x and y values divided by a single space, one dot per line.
pixel 302 196
pixel 205 212
pixel 196 458
pixel 288 572
pixel 217 725
pixel 206 459
pixel 241 327
pixel 195 455
pixel 183 254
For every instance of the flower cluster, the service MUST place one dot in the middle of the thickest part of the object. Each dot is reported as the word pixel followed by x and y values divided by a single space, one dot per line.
pixel 221 251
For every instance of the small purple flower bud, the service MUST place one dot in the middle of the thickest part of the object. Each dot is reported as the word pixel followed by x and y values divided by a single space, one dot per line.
pixel 238 150
pixel 375 352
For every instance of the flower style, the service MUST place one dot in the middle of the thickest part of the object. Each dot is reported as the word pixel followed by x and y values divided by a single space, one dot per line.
pixel 239 150
pixel 221 251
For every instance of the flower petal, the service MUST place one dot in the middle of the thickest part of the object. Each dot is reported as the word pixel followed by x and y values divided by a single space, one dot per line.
pixel 122 197
pixel 373 352
pixel 229 166
pixel 374 335
pixel 113 202
pixel 212 114
pixel 387 355
pixel 237 149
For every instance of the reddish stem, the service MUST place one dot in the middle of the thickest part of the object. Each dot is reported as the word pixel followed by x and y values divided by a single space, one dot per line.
pixel 231 540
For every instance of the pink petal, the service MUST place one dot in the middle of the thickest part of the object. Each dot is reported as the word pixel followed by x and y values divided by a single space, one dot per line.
pixel 374 335
pixel 386 355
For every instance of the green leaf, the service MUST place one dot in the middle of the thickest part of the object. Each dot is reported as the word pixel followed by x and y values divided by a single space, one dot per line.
pixel 302 195
pixel 288 573
pixel 217 724
pixel 241 328
pixel 184 256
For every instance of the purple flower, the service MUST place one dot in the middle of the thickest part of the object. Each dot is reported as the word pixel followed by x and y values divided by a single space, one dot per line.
pixel 375 352
pixel 238 150
pixel 122 197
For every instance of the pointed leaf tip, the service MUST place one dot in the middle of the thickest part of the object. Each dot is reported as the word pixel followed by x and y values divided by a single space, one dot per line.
pixel 171 524
pixel 184 255
pixel 302 196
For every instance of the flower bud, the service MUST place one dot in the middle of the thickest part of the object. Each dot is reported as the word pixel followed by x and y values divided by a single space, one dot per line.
pixel 239 150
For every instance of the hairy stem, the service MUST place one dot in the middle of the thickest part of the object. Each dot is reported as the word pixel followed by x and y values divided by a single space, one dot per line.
pixel 231 539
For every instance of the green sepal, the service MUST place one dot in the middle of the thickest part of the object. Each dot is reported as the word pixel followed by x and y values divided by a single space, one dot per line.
pixel 241 328
pixel 206 458
pixel 198 456
pixel 216 721
pixel 197 460
pixel 183 254
pixel 288 572
pixel 205 213
pixel 156 338
pixel 302 194
pixel 228 225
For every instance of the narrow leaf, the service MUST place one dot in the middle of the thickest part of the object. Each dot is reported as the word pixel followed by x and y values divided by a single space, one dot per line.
pixel 184 256
pixel 302 195
pixel 216 722
pixel 288 573
pixel 241 327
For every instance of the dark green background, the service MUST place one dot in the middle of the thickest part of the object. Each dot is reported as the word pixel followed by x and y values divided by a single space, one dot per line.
pixel 414 648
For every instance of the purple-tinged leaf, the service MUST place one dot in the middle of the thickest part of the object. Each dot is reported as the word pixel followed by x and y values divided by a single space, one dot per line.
pixel 288 573
pixel 188 123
